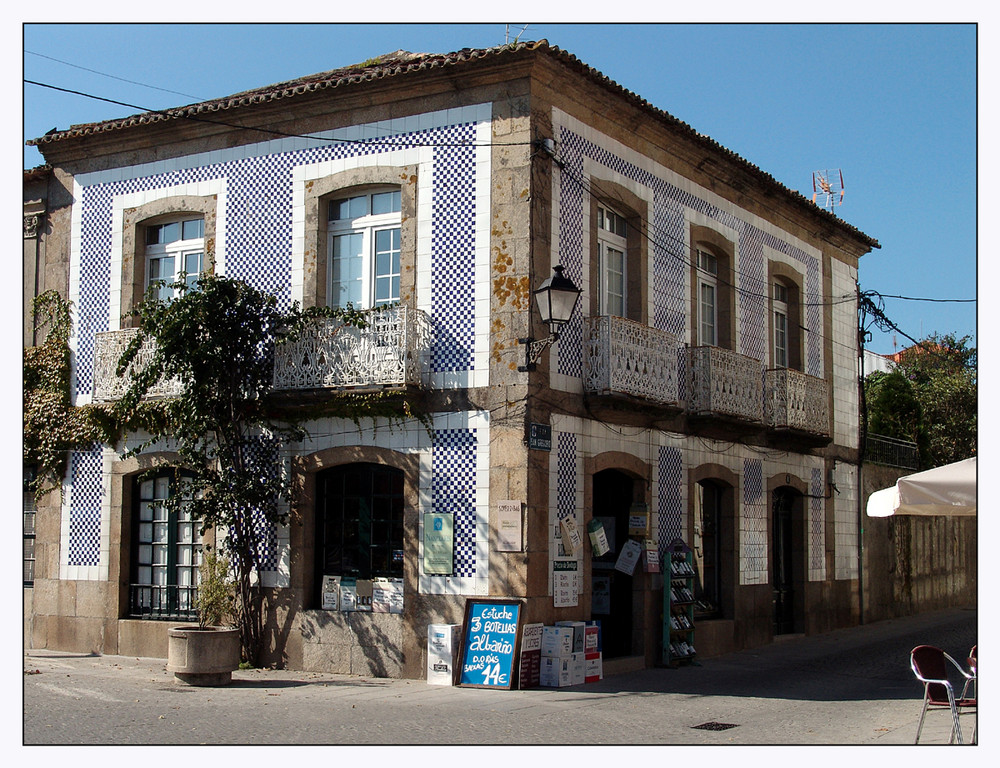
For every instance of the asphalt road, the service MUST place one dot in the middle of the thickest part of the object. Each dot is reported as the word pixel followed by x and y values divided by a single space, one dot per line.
pixel 850 687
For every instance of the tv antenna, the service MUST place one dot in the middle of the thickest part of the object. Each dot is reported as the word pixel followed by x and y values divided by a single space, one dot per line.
pixel 507 34
pixel 828 188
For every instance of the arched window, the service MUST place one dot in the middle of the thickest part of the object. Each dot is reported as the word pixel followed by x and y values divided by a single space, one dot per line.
pixel 707 292
pixel 786 318
pixel 364 249
pixel 175 249
pixel 612 263
pixel 712 262
pixel 780 324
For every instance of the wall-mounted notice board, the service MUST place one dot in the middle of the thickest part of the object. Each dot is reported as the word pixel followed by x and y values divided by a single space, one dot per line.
pixel 491 637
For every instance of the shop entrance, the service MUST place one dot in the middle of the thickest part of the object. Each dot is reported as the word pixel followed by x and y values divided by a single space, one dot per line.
pixel 612 590
pixel 787 550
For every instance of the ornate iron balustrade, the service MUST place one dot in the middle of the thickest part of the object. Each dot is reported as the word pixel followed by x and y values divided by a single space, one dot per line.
pixel 108 349
pixel 623 357
pixel 795 400
pixel 329 354
pixel 726 383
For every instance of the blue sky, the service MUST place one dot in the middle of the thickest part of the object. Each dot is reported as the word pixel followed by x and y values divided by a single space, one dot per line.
pixel 892 106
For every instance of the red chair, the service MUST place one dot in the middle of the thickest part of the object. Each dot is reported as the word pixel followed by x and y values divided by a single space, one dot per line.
pixel 930 665
pixel 973 663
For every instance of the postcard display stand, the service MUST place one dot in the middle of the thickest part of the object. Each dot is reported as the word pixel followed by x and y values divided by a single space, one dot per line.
pixel 678 606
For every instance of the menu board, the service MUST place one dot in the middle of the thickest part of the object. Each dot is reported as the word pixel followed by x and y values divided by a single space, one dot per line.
pixel 529 669
pixel 490 639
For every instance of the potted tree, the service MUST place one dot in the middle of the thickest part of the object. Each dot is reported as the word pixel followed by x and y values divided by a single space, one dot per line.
pixel 217 339
pixel 207 654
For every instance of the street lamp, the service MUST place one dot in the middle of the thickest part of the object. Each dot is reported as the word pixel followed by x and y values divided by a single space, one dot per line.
pixel 556 299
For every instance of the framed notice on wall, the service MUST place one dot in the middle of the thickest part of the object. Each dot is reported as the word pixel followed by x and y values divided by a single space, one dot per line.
pixel 439 543
pixel 509 526
pixel 491 637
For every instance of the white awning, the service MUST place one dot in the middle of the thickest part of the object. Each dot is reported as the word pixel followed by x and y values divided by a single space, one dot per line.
pixel 947 490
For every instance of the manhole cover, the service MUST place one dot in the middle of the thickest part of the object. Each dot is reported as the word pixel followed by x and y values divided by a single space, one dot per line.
pixel 715 726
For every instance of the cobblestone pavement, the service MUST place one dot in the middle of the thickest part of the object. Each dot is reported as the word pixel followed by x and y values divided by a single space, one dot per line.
pixel 849 687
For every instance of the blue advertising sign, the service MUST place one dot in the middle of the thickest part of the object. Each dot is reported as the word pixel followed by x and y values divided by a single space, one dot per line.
pixel 491 635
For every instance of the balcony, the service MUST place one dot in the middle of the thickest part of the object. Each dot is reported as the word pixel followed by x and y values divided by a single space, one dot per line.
pixel 796 401
pixel 626 358
pixel 108 349
pixel 724 383
pixel 389 352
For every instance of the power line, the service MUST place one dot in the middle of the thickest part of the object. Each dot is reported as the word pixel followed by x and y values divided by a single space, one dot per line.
pixel 914 298
pixel 114 77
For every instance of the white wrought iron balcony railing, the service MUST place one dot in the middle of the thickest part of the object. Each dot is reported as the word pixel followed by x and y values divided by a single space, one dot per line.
pixel 795 400
pixel 623 357
pixel 108 349
pixel 725 383
pixel 390 351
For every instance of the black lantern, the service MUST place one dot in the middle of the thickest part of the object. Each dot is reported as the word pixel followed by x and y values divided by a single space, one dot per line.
pixel 556 299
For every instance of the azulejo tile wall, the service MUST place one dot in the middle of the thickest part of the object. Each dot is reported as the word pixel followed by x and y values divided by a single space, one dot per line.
pixel 257 221
pixel 675 202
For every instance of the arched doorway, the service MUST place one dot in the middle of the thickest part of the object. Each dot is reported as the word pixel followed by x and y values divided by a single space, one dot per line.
pixel 612 590
pixel 787 560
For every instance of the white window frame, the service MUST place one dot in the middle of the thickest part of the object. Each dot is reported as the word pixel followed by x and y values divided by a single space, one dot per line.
pixel 779 333
pixel 368 226
pixel 180 250
pixel 708 298
pixel 612 253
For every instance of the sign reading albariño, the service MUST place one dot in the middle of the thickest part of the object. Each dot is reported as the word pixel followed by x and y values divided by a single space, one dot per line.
pixel 491 636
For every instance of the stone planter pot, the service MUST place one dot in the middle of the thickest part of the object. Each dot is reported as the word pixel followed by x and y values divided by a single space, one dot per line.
pixel 203 656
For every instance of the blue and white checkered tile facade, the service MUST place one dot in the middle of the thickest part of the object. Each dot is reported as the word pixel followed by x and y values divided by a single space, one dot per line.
pixel 453 491
pixel 673 207
pixel 753 534
pixel 817 526
pixel 263 454
pixel 86 500
pixel 670 500
pixel 255 223
pixel 566 475
pixel 458 484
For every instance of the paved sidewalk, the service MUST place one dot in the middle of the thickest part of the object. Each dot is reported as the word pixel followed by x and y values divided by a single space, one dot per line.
pixel 849 687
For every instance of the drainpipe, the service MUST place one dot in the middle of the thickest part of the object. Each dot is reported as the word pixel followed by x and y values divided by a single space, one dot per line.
pixel 862 440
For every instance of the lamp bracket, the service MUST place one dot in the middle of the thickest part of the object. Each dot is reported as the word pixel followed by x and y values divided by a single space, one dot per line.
pixel 534 349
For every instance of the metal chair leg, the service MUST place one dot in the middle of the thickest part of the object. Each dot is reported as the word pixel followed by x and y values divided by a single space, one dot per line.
pixel 920 723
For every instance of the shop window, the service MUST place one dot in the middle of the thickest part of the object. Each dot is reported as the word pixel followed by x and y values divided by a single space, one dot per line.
pixel 364 248
pixel 166 549
pixel 175 252
pixel 359 521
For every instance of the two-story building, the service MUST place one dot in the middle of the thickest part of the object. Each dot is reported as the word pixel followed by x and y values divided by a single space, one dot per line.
pixel 705 387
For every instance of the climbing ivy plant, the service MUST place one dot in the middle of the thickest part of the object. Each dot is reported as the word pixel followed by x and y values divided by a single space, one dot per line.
pixel 52 426
pixel 226 425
